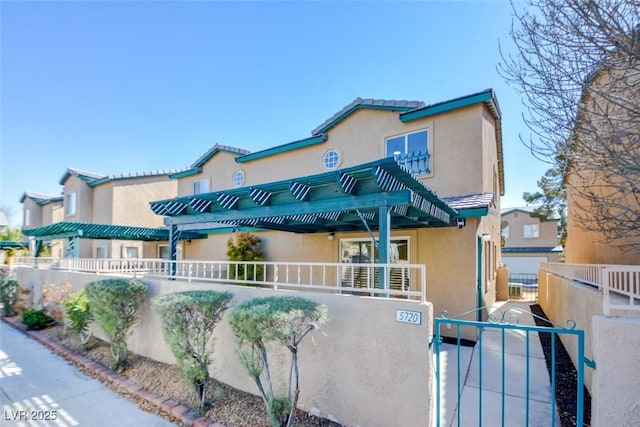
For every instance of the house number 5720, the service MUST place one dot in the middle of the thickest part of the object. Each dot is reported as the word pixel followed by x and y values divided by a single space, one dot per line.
pixel 406 316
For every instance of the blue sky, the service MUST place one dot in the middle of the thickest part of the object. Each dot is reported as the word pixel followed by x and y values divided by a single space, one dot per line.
pixel 130 86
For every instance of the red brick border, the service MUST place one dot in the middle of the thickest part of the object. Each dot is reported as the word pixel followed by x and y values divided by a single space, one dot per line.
pixel 117 382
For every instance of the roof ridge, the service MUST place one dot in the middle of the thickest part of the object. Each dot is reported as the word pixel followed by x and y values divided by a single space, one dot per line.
pixel 360 102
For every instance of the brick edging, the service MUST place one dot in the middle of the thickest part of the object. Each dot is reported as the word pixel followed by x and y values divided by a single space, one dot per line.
pixel 117 382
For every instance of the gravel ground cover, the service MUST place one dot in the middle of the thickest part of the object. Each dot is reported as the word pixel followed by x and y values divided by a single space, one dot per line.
pixel 231 407
pixel 566 375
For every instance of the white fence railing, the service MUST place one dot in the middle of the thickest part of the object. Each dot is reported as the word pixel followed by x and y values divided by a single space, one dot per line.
pixel 618 283
pixel 398 280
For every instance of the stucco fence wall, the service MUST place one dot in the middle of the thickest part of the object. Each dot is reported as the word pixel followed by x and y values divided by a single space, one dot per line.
pixel 362 368
pixel 611 342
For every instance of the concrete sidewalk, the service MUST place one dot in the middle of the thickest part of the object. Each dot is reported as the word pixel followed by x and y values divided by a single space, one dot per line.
pixel 515 386
pixel 40 388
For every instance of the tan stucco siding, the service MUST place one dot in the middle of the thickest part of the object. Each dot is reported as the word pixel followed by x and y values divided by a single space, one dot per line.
pixel 103 203
pixel 131 197
pixel 35 213
pixel 84 200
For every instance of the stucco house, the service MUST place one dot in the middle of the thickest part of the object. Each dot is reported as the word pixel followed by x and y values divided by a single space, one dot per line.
pixel 528 241
pixel 380 180
pixel 100 216
pixel 42 209
pixel 602 181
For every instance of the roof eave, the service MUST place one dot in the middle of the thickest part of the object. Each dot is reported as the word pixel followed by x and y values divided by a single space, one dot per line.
pixel 295 145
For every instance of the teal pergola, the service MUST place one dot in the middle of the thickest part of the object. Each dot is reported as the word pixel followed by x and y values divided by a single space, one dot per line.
pixel 375 196
pixel 84 230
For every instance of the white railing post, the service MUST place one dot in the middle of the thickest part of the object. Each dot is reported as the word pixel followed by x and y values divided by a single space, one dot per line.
pixel 605 291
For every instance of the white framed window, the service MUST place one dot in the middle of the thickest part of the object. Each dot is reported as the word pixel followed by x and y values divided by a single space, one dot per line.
pixel 27 217
pixel 102 252
pixel 331 159
pixel 412 149
pixel 70 204
pixel 238 178
pixel 364 251
pixel 505 231
pixel 131 252
pixel 531 231
pixel 201 186
pixel 163 252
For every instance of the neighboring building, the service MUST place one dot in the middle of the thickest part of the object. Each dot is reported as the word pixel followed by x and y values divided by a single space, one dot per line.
pixel 602 195
pixel 40 210
pixel 322 198
pixel 100 216
pixel 528 241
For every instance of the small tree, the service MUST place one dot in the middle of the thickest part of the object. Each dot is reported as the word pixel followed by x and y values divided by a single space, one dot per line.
pixel 284 320
pixel 115 304
pixel 245 249
pixel 8 296
pixel 188 320
pixel 79 315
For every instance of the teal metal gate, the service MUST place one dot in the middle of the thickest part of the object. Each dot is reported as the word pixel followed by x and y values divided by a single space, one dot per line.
pixel 503 379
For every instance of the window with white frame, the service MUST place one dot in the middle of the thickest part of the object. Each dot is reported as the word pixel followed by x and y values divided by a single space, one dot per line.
pixel 364 251
pixel 412 149
pixel 131 252
pixel 27 217
pixel 201 186
pixel 102 252
pixel 70 204
pixel 238 178
pixel 331 159
pixel 163 252
pixel 531 231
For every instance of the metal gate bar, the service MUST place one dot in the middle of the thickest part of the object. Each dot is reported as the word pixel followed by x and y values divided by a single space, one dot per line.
pixel 504 321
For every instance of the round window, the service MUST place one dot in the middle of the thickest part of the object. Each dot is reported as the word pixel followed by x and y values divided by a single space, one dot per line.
pixel 238 178
pixel 331 159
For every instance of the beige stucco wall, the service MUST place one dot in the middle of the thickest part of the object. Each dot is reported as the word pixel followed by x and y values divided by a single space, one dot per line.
pixel 363 368
pixel 615 382
pixel 35 213
pixel 610 342
pixel 563 300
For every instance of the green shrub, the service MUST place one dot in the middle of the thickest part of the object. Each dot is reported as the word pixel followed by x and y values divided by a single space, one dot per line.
pixel 8 296
pixel 283 320
pixel 79 314
pixel 36 319
pixel 245 249
pixel 188 320
pixel 115 304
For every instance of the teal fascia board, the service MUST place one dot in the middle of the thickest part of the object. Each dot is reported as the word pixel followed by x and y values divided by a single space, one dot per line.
pixel 317 139
pixel 472 213
pixel 356 108
pixel 183 174
pixel 443 107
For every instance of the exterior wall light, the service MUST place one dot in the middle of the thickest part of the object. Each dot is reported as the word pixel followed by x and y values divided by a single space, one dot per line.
pixel 331 236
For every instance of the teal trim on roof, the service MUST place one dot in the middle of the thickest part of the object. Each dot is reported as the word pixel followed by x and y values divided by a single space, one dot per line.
pixel 87 230
pixel 355 108
pixel 40 199
pixel 83 175
pixel 217 149
pixel 185 173
pixel 473 212
pixel 317 139
pixel 486 96
pixel 4 244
